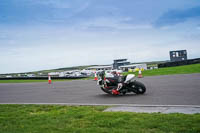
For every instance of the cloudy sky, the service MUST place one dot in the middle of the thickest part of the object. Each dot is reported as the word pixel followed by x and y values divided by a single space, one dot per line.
pixel 46 34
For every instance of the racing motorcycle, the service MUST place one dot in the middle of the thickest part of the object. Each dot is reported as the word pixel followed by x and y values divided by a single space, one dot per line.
pixel 129 84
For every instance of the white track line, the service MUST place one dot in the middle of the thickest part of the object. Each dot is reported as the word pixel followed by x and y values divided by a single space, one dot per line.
pixel 89 104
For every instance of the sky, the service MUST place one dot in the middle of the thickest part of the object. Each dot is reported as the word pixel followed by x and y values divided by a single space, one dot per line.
pixel 49 34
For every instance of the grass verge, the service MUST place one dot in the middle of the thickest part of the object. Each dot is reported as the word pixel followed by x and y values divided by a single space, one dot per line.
pixel 90 119
pixel 187 69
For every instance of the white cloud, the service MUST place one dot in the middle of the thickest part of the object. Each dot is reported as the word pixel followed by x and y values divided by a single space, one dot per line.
pixel 111 24
pixel 48 47
pixel 31 58
pixel 51 3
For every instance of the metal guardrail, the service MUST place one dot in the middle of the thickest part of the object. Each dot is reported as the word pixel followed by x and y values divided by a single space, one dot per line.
pixel 41 78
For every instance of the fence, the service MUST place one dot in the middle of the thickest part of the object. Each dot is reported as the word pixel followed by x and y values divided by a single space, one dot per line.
pixel 179 63
pixel 40 78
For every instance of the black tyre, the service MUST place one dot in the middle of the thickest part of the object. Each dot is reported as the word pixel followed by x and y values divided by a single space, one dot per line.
pixel 139 88
pixel 106 91
pixel 124 93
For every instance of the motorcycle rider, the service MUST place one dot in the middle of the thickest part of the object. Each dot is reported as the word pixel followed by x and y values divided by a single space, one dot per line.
pixel 119 85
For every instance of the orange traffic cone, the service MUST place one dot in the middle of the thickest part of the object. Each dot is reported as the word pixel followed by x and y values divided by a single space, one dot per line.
pixel 49 79
pixel 95 76
pixel 140 74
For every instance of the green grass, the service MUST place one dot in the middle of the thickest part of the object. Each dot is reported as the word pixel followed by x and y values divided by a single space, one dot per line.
pixel 32 81
pixel 90 119
pixel 187 69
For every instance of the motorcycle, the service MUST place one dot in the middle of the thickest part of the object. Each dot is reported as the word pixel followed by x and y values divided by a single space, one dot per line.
pixel 129 84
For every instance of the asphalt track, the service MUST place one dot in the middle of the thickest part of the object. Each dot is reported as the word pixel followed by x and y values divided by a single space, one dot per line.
pixel 161 90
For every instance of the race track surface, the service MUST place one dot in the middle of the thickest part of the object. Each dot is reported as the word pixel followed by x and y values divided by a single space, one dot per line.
pixel 161 90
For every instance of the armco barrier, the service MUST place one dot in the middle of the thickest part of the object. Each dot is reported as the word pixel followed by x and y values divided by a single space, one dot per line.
pixel 179 63
pixel 40 78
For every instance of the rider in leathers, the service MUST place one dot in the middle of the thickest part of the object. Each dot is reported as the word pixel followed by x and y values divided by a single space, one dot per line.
pixel 120 84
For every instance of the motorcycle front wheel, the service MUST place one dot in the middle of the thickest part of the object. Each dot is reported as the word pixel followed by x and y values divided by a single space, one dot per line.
pixel 106 91
pixel 139 88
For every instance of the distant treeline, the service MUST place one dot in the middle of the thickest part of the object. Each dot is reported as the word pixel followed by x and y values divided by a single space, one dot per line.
pixel 40 78
pixel 179 63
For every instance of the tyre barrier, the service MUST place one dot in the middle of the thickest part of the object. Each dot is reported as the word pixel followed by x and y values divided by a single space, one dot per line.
pixel 179 63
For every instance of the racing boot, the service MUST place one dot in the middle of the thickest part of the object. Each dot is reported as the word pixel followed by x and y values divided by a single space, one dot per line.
pixel 115 92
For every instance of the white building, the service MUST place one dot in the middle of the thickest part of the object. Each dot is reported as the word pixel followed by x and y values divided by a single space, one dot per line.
pixel 100 68
pixel 133 66
pixel 65 73
pixel 30 75
pixel 62 74
pixel 56 74
pixel 87 72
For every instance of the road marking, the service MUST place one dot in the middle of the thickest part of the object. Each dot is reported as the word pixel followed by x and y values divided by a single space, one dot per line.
pixel 91 104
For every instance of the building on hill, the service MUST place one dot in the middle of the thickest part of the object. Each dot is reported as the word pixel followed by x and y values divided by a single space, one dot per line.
pixel 54 74
pixel 100 68
pixel 133 66
pixel 178 55
pixel 120 62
